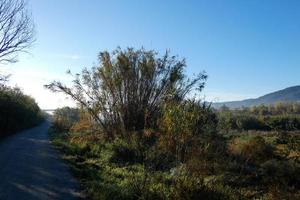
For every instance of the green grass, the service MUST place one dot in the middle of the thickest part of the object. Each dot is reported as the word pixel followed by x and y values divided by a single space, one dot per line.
pixel 102 177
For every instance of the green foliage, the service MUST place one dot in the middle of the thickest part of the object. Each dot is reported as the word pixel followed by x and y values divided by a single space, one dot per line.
pixel 254 150
pixel 184 125
pixel 160 160
pixel 244 120
pixel 257 150
pixel 139 168
pixel 286 123
pixel 192 188
pixel 280 172
pixel 126 153
pixel 17 110
pixel 281 108
pixel 240 120
pixel 64 118
pixel 279 117
pixel 226 121
pixel 104 178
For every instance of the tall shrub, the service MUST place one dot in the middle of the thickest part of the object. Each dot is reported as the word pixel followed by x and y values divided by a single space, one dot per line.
pixel 17 110
pixel 185 124
pixel 125 91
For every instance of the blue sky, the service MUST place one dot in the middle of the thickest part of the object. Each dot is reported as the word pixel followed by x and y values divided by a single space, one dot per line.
pixel 248 48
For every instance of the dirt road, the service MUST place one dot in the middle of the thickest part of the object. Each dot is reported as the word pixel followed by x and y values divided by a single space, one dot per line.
pixel 31 169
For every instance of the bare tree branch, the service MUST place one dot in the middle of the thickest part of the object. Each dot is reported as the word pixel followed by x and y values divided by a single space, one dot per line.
pixel 16 30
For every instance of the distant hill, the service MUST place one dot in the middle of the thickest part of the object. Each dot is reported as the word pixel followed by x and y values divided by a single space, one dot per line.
pixel 291 94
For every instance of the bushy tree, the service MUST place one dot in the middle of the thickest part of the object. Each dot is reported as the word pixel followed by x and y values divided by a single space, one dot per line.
pixel 124 93
pixel 17 110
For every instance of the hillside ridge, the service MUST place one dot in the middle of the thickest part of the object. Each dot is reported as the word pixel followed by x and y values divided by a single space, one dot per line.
pixel 290 94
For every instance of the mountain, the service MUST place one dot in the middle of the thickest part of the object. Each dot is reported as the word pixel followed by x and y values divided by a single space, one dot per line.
pixel 291 94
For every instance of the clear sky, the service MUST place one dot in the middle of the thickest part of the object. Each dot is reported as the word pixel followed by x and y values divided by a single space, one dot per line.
pixel 247 47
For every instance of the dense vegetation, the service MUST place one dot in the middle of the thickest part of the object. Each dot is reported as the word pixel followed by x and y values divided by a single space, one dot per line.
pixel 17 110
pixel 278 117
pixel 64 118
pixel 138 133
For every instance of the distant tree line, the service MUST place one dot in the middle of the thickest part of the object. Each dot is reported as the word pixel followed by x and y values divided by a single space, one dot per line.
pixel 280 116
pixel 17 110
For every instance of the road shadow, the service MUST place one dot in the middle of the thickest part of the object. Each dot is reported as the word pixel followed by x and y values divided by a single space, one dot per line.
pixel 31 168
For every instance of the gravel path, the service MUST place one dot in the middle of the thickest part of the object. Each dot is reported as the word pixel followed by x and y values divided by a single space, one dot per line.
pixel 30 168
